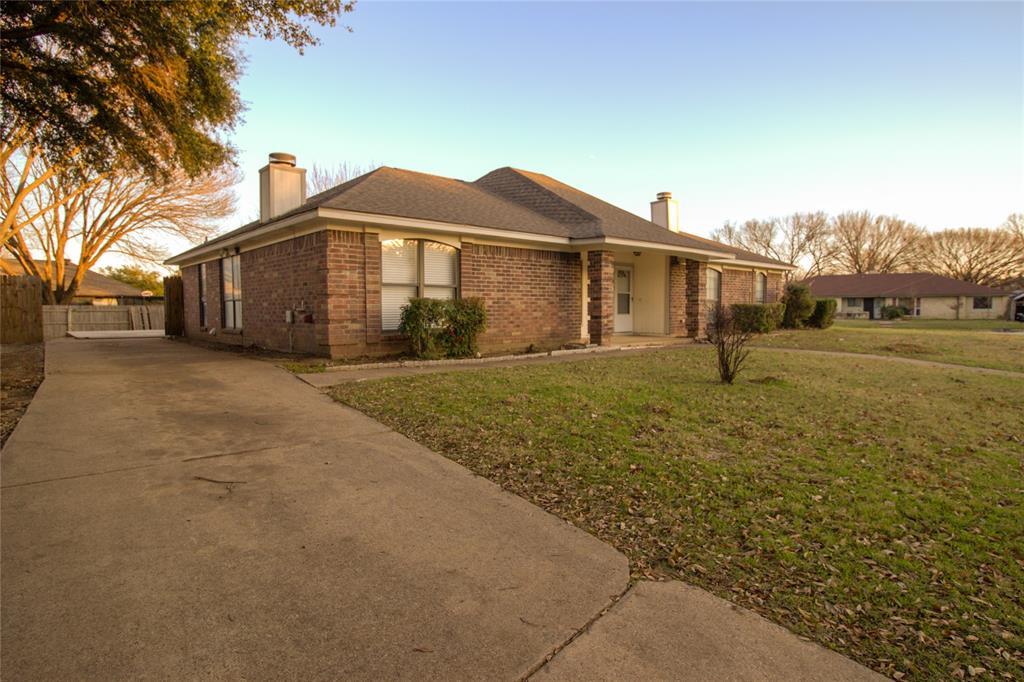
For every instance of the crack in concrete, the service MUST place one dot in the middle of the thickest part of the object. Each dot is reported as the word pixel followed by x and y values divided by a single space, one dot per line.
pixel 615 598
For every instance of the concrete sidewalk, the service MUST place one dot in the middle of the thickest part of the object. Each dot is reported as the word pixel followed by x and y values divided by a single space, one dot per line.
pixel 672 631
pixel 177 513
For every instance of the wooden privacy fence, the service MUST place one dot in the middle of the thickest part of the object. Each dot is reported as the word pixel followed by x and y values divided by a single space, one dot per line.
pixel 58 320
pixel 21 309
pixel 174 306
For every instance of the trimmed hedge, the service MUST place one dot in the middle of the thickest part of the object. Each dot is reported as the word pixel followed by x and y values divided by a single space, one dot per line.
pixel 799 305
pixel 894 312
pixel 443 328
pixel 824 313
pixel 756 317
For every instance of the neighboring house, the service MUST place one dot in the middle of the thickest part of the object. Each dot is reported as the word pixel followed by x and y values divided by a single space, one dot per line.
pixel 553 265
pixel 922 293
pixel 95 289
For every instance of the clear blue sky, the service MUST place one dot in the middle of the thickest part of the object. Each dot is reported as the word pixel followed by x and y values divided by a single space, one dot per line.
pixel 740 109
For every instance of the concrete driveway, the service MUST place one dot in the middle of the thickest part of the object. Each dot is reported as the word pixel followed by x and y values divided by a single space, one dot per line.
pixel 177 513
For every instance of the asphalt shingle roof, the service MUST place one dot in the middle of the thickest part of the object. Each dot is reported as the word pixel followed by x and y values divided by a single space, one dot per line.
pixel 93 283
pixel 895 284
pixel 505 199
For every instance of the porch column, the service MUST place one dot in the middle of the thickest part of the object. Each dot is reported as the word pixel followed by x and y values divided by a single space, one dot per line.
pixel 601 294
pixel 696 298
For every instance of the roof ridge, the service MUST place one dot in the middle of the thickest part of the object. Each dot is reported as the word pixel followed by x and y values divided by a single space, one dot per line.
pixel 321 197
pixel 547 192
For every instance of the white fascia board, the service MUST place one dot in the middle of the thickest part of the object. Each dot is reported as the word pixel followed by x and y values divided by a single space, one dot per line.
pixel 205 252
pixel 652 246
pixel 755 264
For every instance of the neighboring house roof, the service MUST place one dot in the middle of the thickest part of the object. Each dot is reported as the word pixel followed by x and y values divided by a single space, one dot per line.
pixel 506 199
pixel 896 284
pixel 93 285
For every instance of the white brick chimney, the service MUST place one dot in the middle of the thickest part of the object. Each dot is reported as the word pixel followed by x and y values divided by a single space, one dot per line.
pixel 282 186
pixel 665 211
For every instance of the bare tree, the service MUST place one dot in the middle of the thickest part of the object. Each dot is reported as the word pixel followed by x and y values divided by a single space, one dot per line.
pixel 803 239
pixel 867 243
pixel 1015 226
pixel 983 256
pixel 89 215
pixel 322 178
pixel 730 339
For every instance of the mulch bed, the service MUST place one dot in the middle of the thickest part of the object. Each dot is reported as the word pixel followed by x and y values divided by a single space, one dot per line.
pixel 21 372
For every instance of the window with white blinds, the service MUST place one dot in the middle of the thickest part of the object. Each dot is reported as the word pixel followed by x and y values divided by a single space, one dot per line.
pixel 760 288
pixel 714 292
pixel 412 268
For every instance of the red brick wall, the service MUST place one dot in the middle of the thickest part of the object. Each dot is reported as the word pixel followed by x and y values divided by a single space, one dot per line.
pixel 282 276
pixel 737 286
pixel 353 295
pixel 532 296
pixel 677 297
pixel 288 275
pixel 696 294
pixel 601 296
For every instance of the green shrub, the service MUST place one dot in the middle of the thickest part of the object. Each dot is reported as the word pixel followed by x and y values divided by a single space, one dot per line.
pixel 799 305
pixel 756 317
pixel 465 319
pixel 443 328
pixel 824 313
pixel 421 322
pixel 894 312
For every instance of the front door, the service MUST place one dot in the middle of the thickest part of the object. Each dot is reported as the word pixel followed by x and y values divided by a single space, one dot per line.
pixel 623 298
pixel 869 307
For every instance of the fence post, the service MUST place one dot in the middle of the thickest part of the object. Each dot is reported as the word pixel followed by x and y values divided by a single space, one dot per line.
pixel 174 306
pixel 21 309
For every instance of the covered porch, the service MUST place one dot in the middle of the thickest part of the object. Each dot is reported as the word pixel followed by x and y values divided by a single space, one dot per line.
pixel 639 294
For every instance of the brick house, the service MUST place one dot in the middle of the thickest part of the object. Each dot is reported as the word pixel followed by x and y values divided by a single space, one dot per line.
pixel 328 275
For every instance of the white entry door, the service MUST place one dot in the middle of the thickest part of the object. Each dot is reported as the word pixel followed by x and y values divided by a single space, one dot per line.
pixel 623 298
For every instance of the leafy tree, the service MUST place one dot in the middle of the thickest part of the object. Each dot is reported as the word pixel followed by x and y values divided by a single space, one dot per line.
pixel 150 82
pixel 138 277
pixel 86 87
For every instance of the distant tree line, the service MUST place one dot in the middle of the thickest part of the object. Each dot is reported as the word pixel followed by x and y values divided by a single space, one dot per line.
pixel 858 242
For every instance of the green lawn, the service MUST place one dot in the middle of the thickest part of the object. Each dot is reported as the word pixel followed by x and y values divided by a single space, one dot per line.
pixel 945 325
pixel 975 345
pixel 873 507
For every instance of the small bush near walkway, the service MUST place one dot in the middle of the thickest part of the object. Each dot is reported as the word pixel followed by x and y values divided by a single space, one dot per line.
pixel 799 305
pixel 824 313
pixel 730 339
pixel 443 328
pixel 758 318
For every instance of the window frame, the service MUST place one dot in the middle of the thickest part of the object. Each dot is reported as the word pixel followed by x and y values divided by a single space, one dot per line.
pixel 234 261
pixel 760 288
pixel 987 303
pixel 718 288
pixel 421 284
